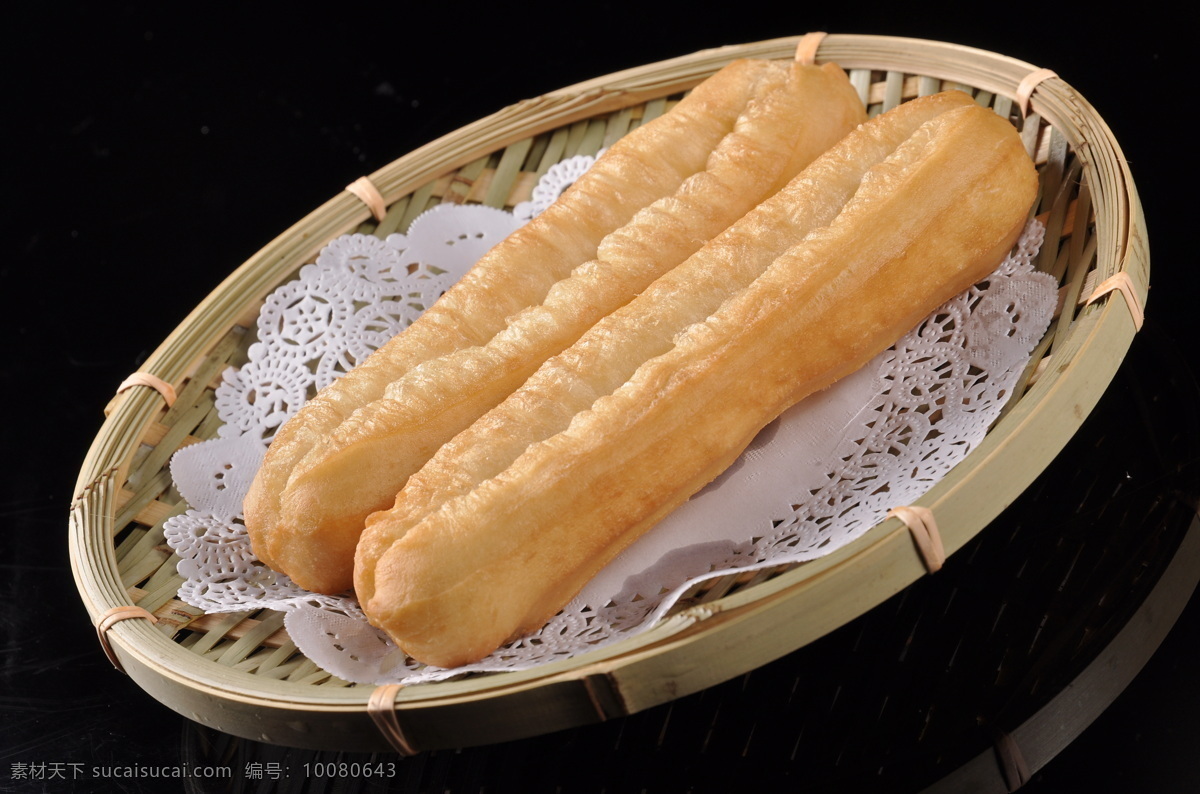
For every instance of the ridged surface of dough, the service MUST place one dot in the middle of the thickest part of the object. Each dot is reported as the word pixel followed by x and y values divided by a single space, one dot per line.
pixel 502 537
pixel 796 113
pixel 610 352
pixel 642 167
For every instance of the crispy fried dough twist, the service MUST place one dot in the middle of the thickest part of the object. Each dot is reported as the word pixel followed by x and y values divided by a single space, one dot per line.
pixel 650 162
pixel 511 518
pixel 306 520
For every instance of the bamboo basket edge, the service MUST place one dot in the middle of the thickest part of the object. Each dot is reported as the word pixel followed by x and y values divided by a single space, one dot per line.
pixel 344 211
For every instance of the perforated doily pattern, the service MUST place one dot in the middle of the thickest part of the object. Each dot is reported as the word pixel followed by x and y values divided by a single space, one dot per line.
pixel 893 430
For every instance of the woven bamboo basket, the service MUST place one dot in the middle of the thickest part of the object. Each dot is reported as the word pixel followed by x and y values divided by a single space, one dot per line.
pixel 241 674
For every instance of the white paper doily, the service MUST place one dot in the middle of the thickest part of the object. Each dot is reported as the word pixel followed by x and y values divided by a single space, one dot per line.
pixel 812 481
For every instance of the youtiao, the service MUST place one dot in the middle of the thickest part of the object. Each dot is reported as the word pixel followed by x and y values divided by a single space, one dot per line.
pixel 648 203
pixel 509 519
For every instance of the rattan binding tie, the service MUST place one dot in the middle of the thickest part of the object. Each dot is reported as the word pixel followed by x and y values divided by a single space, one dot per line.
pixel 368 194
pixel 806 48
pixel 924 531
pixel 153 381
pixel 1026 88
pixel 116 615
pixel 1122 283
pixel 1012 762
pixel 382 708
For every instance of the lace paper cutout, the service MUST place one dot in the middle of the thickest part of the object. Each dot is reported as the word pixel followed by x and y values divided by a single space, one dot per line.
pixel 894 429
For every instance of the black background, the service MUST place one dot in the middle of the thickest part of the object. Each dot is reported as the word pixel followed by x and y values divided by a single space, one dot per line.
pixel 151 150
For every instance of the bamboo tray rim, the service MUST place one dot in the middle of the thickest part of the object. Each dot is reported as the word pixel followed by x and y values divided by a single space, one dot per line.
pixel 630 672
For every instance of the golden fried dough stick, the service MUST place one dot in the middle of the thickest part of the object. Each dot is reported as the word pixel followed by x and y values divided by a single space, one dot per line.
pixel 501 557
pixel 731 261
pixel 643 166
pixel 368 458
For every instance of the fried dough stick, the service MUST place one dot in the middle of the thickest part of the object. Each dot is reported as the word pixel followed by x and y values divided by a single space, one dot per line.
pixel 660 397
pixel 692 291
pixel 368 458
pixel 643 166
